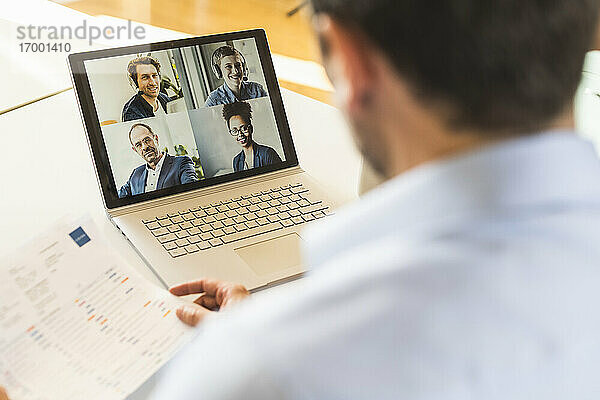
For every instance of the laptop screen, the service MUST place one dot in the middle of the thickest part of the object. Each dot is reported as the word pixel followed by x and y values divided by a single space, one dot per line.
pixel 175 116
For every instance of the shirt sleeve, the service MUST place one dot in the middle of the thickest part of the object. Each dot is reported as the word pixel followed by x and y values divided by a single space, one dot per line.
pixel 188 173
pixel 205 369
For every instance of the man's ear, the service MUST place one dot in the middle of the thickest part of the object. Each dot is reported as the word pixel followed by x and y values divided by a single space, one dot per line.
pixel 348 57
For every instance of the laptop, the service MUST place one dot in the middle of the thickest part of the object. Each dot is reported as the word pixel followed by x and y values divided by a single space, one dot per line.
pixel 195 160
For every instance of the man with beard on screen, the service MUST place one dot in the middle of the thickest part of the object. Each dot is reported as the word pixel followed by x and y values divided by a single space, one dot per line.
pixel 161 169
pixel 238 117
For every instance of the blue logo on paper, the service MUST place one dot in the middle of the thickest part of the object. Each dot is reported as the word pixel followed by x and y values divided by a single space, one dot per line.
pixel 79 236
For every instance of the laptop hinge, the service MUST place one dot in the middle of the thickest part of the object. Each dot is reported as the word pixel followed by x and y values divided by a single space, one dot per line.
pixel 115 212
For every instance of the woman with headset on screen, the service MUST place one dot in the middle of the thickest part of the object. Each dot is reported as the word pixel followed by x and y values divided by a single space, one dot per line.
pixel 230 65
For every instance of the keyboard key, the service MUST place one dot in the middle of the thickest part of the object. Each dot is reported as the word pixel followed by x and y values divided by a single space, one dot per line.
pixel 177 220
pixel 251 216
pixel 197 222
pixel 287 222
pixel 255 200
pixel 173 215
pixel 242 210
pixel 242 227
pixel 285 200
pixel 262 221
pixel 161 217
pixel 229 229
pixel 310 198
pixel 186 225
pixel 239 219
pixel 285 215
pixel 293 206
pixel 244 203
pixel 211 211
pixel 182 234
pixel 174 228
pixel 298 190
pixel 273 218
pixel 231 214
pixel 160 232
pixel 165 222
pixel 286 192
pixel 253 208
pixel 272 211
pixel 295 197
pixel 200 214
pixel 193 231
pixel 303 203
pixel 294 213
pixel 217 225
pixel 195 209
pixel 177 252
pixel 170 246
pixel 233 206
pixel 319 214
pixel 194 239
pixel 215 242
pixel 153 225
pixel 251 224
pixel 276 195
pixel 220 216
pixel 222 208
pixel 188 216
pixel 313 208
pixel 252 232
pixel 192 248
pixel 218 233
pixel 297 220
pixel 274 203
pixel 203 245
pixel 264 205
pixel 206 236
pixel 182 242
pixel 209 219
pixel 228 222
pixel 261 214
pixel 282 208
pixel 293 185
pixel 167 238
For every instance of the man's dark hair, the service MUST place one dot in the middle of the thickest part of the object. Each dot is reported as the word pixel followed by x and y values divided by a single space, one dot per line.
pixel 139 124
pixel 499 66
pixel 143 60
pixel 240 108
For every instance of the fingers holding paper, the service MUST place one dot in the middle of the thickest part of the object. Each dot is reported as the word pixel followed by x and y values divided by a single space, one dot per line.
pixel 215 295
pixel 3 395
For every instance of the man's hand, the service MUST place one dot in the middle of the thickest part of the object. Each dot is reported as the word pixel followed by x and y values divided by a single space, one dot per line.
pixel 215 295
pixel 3 395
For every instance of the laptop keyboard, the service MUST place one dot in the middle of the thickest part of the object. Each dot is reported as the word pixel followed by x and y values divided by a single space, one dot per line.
pixel 204 227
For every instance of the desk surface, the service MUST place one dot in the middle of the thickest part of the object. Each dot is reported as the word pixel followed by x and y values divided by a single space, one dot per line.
pixel 48 172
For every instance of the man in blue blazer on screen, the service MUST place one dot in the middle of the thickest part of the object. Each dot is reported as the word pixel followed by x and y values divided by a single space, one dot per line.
pixel 161 169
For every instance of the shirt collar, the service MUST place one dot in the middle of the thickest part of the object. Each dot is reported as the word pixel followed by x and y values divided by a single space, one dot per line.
pixel 159 165
pixel 548 169
pixel 231 96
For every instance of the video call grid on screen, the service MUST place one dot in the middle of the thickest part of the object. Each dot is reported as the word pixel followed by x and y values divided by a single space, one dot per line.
pixel 162 116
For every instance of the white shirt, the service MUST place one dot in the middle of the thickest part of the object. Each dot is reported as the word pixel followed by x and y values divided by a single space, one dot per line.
pixel 153 175
pixel 476 277
pixel 159 111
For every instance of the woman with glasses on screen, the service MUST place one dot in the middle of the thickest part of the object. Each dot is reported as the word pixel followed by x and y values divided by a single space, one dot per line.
pixel 238 117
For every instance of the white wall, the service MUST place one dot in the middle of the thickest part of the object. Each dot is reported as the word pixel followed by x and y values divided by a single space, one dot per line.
pixel 217 147
pixel 173 130
pixel 110 85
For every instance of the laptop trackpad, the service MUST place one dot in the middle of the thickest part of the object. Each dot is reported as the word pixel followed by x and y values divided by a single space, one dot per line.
pixel 272 255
